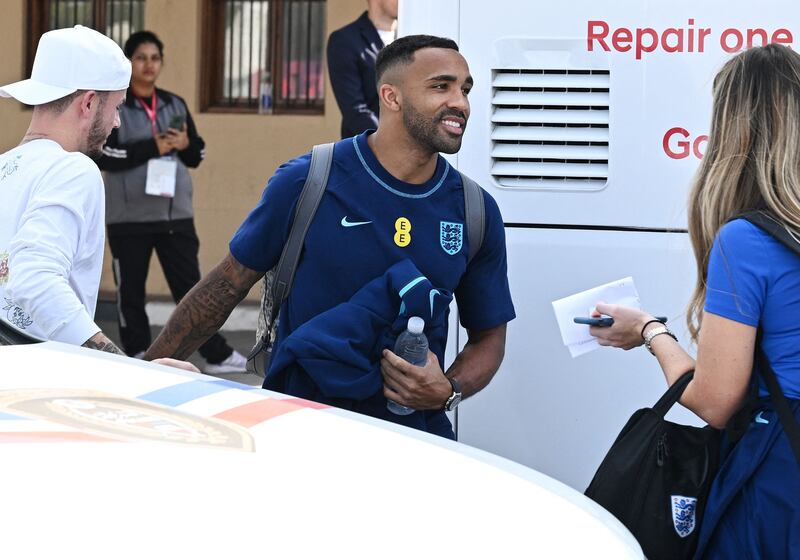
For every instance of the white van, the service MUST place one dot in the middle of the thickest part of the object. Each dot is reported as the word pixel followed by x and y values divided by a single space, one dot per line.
pixel 588 120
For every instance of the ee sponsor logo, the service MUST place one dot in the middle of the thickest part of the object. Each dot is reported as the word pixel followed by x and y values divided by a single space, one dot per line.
pixel 402 232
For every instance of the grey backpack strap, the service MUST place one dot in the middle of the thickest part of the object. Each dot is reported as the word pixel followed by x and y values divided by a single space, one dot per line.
pixel 313 189
pixel 476 215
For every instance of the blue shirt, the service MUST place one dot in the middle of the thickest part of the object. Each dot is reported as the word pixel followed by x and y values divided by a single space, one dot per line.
pixel 753 278
pixel 366 222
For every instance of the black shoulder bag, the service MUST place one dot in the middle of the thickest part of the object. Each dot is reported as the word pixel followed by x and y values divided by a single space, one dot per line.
pixel 654 468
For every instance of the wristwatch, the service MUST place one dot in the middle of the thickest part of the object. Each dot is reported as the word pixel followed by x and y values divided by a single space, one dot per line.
pixel 455 399
pixel 654 332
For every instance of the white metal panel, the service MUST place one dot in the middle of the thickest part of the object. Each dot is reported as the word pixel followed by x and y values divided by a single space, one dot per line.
pixel 433 18
pixel 545 409
pixel 648 97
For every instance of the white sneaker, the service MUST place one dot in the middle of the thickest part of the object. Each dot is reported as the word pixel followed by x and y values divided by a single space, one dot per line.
pixel 235 363
pixel 138 355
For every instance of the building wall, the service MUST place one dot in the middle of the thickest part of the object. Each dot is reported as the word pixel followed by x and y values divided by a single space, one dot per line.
pixel 242 151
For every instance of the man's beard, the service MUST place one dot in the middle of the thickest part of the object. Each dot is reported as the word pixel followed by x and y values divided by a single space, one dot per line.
pixel 427 132
pixel 97 136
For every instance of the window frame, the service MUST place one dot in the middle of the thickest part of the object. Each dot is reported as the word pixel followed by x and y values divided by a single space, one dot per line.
pixel 212 64
pixel 37 24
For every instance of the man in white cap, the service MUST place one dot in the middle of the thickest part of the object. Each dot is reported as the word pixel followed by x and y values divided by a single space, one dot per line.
pixel 52 211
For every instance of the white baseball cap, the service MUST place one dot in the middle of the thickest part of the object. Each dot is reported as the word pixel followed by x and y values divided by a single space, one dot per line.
pixel 68 60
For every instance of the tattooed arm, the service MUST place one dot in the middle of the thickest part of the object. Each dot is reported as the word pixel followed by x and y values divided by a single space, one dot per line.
pixel 101 342
pixel 204 309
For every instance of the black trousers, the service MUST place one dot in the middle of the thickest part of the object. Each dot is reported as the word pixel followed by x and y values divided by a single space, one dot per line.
pixel 177 252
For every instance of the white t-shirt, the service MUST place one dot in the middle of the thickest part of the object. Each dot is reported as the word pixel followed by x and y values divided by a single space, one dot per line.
pixel 387 36
pixel 51 241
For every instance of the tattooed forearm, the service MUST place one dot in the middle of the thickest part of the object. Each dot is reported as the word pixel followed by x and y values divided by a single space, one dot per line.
pixel 203 310
pixel 101 342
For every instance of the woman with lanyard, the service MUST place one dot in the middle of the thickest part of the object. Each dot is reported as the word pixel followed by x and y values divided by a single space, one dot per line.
pixel 149 201
pixel 746 301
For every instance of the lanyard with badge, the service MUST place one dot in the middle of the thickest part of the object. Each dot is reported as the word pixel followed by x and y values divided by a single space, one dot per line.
pixel 161 171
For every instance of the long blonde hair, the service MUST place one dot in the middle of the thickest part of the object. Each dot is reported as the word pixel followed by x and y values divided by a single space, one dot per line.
pixel 752 160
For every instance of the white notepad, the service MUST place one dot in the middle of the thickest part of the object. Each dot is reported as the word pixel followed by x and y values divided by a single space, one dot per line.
pixel 576 337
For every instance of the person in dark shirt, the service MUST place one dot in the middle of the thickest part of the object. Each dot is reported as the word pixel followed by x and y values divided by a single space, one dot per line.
pixel 391 200
pixel 351 63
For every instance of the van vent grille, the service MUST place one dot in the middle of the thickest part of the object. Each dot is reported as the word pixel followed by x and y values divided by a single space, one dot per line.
pixel 550 128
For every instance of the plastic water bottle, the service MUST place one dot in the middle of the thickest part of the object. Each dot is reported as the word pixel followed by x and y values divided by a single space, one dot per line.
pixel 412 346
pixel 265 96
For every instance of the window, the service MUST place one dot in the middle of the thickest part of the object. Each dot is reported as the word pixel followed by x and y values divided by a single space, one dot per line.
pixel 116 18
pixel 254 46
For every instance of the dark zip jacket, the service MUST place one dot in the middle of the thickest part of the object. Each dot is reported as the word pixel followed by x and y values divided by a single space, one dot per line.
pixel 124 163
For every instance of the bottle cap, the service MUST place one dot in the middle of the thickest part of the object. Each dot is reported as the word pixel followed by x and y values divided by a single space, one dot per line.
pixel 416 325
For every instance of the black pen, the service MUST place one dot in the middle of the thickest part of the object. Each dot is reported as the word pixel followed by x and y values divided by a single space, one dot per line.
pixel 604 321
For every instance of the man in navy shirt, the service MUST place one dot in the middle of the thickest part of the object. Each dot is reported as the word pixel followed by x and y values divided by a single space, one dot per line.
pixel 351 64
pixel 381 184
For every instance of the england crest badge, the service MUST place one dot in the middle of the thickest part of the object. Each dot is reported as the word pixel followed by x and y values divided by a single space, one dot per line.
pixel 683 515
pixel 451 237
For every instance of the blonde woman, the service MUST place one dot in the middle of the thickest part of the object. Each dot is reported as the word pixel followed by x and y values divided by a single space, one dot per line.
pixel 745 279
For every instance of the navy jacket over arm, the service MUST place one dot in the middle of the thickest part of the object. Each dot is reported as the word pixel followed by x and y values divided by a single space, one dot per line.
pixel 351 63
pixel 335 357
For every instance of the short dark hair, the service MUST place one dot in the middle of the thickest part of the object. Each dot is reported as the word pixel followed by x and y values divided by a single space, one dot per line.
pixel 60 105
pixel 401 51
pixel 140 38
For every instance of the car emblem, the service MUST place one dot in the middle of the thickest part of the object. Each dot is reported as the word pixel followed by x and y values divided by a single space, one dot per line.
pixel 118 418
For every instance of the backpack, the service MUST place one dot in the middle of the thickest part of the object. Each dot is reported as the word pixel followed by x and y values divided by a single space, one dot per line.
pixel 278 281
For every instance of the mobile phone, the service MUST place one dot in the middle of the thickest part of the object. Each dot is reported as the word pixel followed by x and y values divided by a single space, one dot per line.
pixel 603 321
pixel 595 321
pixel 177 121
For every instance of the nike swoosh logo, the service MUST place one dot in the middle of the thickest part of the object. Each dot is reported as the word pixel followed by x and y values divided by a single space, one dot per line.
pixel 345 223
pixel 432 294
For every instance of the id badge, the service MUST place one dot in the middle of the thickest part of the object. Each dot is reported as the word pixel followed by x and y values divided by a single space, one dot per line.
pixel 161 174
